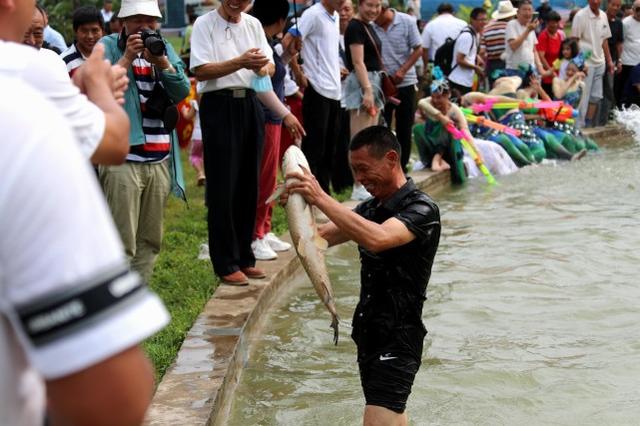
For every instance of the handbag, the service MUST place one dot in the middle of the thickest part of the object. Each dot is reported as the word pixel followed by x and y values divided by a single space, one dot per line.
pixel 389 88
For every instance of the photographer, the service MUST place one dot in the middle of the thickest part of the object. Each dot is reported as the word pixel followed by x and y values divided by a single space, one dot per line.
pixel 137 191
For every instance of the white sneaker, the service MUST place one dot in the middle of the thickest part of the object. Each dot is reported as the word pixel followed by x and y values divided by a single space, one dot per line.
pixel 360 193
pixel 204 252
pixel 276 243
pixel 417 166
pixel 262 251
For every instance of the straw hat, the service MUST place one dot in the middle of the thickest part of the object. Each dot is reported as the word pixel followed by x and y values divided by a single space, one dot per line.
pixel 505 10
pixel 506 86
pixel 139 7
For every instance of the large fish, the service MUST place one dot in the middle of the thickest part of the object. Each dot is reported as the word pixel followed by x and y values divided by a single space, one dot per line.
pixel 309 245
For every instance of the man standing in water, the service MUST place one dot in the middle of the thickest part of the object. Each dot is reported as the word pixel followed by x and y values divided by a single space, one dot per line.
pixel 397 232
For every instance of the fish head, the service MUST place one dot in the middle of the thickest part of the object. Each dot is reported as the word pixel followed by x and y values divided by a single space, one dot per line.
pixel 293 159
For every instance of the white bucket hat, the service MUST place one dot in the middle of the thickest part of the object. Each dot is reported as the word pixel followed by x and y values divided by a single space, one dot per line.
pixel 139 7
pixel 505 10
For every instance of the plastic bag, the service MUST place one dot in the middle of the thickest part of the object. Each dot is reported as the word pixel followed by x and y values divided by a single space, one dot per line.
pixel 262 84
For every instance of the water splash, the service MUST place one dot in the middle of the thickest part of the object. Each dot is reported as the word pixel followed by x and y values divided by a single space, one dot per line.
pixel 630 118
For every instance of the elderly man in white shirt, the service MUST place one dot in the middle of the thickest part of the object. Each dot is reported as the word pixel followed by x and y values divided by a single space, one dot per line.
pixel 590 27
pixel 437 31
pixel 71 312
pixel 229 53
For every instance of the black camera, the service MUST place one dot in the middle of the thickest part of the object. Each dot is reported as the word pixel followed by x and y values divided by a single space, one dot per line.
pixel 153 42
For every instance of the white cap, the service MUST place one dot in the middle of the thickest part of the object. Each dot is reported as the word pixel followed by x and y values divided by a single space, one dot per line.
pixel 139 7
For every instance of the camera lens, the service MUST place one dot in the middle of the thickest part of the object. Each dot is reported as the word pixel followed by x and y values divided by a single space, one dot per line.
pixel 155 45
pixel 153 42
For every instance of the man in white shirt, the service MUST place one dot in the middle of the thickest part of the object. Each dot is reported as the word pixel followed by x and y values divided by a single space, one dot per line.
pixel 71 313
pixel 437 31
pixel 229 52
pixel 521 40
pixel 99 123
pixel 320 32
pixel 590 27
pixel 631 45
pixel 465 54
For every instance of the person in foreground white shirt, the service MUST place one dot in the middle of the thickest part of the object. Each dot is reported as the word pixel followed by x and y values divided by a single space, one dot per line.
pixel 71 312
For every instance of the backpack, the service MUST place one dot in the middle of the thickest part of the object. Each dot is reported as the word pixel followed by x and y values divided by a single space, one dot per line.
pixel 444 54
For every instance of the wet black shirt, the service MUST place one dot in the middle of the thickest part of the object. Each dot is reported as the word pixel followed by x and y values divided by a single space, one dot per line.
pixel 388 317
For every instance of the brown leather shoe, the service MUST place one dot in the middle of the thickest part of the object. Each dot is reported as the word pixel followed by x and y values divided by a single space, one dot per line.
pixel 237 278
pixel 253 272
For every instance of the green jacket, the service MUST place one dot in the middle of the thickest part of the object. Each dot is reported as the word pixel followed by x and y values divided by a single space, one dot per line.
pixel 177 86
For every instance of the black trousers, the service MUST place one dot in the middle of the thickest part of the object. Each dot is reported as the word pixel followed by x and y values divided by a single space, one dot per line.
pixel 458 90
pixel 341 176
pixel 608 100
pixel 321 118
pixel 620 82
pixel 404 114
pixel 233 137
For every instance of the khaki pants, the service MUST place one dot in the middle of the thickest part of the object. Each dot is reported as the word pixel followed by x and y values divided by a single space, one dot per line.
pixel 137 195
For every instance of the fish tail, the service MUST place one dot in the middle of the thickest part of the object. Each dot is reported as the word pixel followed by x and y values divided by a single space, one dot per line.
pixel 335 325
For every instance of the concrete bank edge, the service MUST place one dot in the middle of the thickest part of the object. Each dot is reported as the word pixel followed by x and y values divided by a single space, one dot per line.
pixel 198 387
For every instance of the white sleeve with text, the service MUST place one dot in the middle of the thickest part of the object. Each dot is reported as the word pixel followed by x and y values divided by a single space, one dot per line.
pixel 64 281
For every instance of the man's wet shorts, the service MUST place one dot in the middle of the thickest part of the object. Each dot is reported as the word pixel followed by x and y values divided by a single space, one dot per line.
pixel 387 379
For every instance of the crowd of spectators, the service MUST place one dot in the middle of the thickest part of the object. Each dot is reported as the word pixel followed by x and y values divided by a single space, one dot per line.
pixel 325 68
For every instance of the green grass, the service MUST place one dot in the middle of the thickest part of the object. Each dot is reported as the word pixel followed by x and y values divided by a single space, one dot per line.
pixel 175 41
pixel 182 281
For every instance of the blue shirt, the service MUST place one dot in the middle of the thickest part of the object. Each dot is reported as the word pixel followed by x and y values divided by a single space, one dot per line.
pixel 54 38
